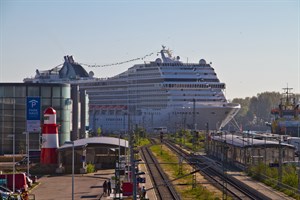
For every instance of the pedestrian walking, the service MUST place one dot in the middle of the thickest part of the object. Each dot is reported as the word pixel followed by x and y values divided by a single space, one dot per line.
pixel 109 187
pixel 105 188
pixel 143 193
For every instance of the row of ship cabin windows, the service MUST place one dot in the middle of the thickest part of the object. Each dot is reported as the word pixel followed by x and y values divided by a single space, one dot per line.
pixel 155 113
pixel 181 64
pixel 189 73
pixel 220 86
pixel 157 104
pixel 111 112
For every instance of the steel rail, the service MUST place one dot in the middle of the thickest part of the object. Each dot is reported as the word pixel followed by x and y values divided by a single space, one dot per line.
pixel 234 188
pixel 164 189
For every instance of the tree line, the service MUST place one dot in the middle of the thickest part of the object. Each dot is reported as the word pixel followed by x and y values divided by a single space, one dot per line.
pixel 255 111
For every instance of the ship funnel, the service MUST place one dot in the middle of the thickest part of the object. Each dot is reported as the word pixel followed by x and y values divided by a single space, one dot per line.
pixel 71 60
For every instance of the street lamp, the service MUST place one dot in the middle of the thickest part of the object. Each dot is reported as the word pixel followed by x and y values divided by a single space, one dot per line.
pixel 117 173
pixel 72 142
pixel 280 164
pixel 185 111
pixel 27 149
pixel 224 162
pixel 14 167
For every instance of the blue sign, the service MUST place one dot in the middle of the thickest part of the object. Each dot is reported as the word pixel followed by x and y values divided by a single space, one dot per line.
pixel 33 108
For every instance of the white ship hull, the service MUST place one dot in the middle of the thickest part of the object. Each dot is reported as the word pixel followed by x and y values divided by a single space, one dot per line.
pixel 174 119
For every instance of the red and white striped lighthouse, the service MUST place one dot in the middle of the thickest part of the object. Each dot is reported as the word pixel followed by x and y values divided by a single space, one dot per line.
pixel 49 137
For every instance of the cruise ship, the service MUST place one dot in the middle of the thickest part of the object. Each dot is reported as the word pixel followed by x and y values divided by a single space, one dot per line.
pixel 161 93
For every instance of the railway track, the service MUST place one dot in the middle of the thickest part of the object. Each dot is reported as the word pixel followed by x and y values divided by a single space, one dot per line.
pixel 164 189
pixel 234 188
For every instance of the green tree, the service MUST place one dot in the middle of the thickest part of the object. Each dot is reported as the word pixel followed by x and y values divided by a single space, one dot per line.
pixel 256 111
pixel 244 106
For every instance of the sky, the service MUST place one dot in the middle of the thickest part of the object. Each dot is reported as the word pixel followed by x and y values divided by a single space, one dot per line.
pixel 253 45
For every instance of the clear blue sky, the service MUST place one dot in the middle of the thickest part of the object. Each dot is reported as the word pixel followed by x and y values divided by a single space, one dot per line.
pixel 253 45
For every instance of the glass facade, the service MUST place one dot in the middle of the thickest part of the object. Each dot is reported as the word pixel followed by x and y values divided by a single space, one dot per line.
pixel 13 120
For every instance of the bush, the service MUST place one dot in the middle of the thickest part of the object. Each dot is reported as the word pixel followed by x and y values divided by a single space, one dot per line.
pixel 143 142
pixel 90 168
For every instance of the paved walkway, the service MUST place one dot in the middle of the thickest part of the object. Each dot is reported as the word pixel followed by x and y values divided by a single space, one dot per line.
pixel 87 186
pixel 264 189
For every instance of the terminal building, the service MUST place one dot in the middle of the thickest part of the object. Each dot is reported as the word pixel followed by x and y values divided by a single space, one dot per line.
pixel 70 105
pixel 244 150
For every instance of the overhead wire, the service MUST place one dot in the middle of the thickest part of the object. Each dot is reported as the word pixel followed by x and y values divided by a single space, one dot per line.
pixel 119 63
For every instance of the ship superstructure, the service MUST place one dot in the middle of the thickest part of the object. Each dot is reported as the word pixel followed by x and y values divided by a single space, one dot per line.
pixel 286 117
pixel 162 93
pixel 70 71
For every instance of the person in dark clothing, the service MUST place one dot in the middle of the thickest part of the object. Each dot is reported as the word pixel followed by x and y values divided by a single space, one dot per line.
pixel 143 193
pixel 105 187
pixel 109 187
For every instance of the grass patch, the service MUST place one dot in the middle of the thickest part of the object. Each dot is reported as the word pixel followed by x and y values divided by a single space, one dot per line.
pixel 184 188
pixel 143 142
pixel 166 158
pixel 196 147
pixel 199 193
pixel 269 176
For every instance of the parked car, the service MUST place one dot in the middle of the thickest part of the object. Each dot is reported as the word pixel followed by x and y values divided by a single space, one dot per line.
pixel 4 195
pixel 5 189
pixel 7 194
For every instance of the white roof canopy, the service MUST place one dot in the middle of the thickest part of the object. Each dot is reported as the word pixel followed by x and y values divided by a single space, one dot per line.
pixel 97 140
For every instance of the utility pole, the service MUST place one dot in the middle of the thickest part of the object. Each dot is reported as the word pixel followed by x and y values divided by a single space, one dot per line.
pixel 298 168
pixel 194 123
pixel 224 161
pixel 206 138
pixel 161 141
pixel 132 165
pixel 132 159
pixel 194 183
pixel 280 164
pixel 265 154
pixel 194 114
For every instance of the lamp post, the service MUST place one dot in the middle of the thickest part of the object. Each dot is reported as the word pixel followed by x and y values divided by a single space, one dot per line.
pixel 132 161
pixel 224 162
pixel 119 151
pixel 117 173
pixel 206 147
pixel 14 167
pixel 185 112
pixel 27 150
pixel 265 154
pixel 72 142
pixel 280 164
